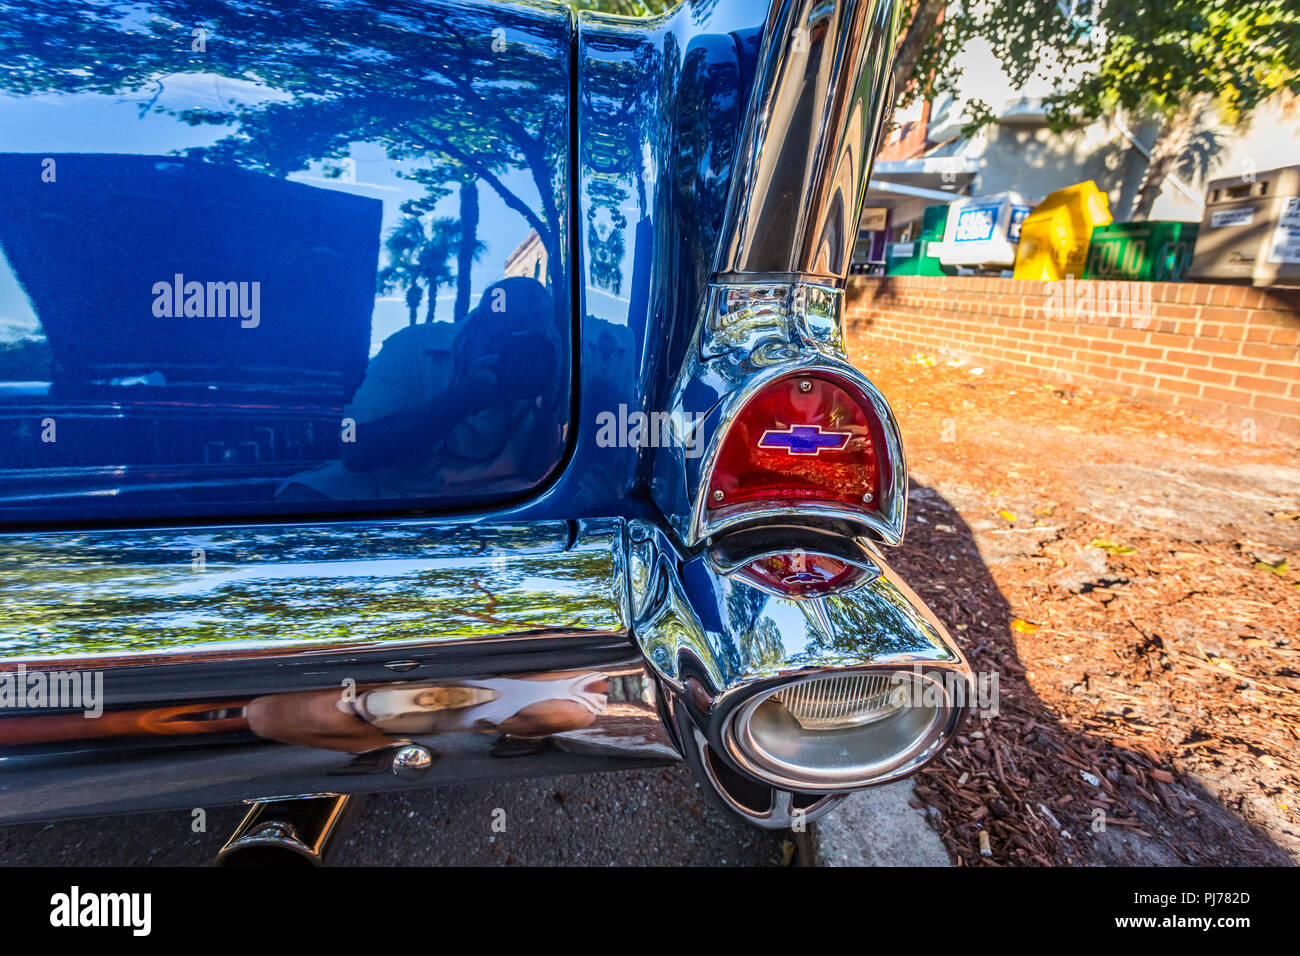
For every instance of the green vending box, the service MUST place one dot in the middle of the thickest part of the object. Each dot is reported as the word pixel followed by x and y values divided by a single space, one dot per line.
pixel 1159 251
pixel 920 257
pixel 934 220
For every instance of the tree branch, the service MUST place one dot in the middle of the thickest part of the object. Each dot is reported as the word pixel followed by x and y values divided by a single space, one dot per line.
pixel 925 19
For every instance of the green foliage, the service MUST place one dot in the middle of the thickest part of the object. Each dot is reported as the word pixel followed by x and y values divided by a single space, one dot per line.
pixel 1149 56
pixel 625 8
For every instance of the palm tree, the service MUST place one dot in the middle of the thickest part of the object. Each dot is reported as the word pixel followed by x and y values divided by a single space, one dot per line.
pixel 470 246
pixel 404 246
pixel 418 261
pixel 434 259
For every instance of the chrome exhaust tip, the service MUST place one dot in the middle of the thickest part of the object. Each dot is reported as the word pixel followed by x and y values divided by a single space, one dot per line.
pixel 845 730
pixel 302 831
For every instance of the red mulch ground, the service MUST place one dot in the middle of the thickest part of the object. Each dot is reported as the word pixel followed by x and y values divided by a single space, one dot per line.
pixel 1132 574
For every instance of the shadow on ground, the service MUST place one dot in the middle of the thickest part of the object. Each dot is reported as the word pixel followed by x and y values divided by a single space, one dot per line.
pixel 1042 790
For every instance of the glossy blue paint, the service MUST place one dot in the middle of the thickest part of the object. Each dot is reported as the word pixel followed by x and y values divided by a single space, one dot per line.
pixel 262 262
pixel 659 107
pixel 370 125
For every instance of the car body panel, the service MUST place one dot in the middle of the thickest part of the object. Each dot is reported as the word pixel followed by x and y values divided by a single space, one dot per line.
pixel 238 240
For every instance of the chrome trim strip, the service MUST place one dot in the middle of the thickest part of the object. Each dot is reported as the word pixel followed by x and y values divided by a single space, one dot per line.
pixel 100 596
pixel 193 730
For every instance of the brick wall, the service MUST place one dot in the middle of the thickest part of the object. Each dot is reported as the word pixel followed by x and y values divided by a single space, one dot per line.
pixel 1225 351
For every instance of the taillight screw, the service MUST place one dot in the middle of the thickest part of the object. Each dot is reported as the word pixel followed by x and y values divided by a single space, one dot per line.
pixel 868 498
pixel 805 386
pixel 717 494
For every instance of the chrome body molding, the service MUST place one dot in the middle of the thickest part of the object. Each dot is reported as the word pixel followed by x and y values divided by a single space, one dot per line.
pixel 231 591
pixel 715 640
pixel 212 732
pixel 821 93
pixel 681 641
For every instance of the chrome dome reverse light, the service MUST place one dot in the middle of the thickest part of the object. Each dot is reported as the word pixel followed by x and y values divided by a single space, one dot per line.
pixel 842 731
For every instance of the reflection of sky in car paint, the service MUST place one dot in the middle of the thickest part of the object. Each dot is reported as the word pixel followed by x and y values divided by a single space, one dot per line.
pixel 100 123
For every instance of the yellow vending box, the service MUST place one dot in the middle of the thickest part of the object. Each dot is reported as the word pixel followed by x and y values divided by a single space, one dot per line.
pixel 1054 237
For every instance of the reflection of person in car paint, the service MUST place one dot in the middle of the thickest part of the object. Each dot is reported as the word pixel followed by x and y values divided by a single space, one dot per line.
pixel 538 705
pixel 445 407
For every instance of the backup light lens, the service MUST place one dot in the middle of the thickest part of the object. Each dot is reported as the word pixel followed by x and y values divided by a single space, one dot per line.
pixel 800 574
pixel 835 703
pixel 804 438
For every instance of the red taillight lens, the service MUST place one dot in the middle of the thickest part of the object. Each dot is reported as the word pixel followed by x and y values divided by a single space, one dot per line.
pixel 802 575
pixel 801 439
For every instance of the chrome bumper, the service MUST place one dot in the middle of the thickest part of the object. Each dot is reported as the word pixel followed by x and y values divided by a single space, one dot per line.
pixel 258 663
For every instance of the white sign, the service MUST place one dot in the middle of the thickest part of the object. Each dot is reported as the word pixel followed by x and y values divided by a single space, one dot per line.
pixel 1018 215
pixel 1285 245
pixel 901 250
pixel 1240 216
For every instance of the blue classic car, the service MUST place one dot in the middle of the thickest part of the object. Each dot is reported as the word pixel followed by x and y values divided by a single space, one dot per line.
pixel 394 394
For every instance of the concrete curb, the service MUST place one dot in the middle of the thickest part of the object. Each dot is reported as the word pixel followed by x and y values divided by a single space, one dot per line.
pixel 879 827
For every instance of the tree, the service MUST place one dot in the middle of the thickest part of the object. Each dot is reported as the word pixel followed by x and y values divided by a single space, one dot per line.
pixel 469 247
pixel 625 8
pixel 418 262
pixel 403 270
pixel 444 236
pixel 1168 61
pixel 423 81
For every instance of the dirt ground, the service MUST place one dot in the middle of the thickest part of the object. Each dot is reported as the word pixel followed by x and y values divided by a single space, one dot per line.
pixel 1132 574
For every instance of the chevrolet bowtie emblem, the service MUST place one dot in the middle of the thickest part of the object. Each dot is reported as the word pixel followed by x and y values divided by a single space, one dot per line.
pixel 803 439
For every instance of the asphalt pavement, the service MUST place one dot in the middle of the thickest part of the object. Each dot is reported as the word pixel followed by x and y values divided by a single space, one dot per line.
pixel 622 818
